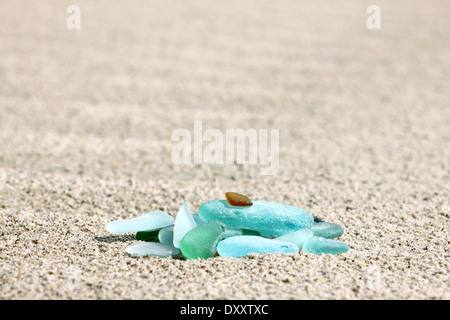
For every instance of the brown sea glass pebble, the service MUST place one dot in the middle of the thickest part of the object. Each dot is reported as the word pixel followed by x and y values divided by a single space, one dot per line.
pixel 237 199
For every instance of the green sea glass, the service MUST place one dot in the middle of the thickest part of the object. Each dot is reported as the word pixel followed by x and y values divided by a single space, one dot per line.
pixel 148 235
pixel 201 241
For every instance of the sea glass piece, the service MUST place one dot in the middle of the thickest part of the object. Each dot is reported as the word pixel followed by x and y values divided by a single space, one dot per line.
pixel 148 235
pixel 149 221
pixel 297 238
pixel 165 235
pixel 240 246
pixel 327 230
pixel 247 232
pixel 319 245
pixel 268 218
pixel 201 242
pixel 318 219
pixel 237 199
pixel 197 219
pixel 162 250
pixel 233 232
pixel 183 223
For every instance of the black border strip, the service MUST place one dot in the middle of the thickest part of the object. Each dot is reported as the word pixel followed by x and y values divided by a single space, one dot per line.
pixel 221 309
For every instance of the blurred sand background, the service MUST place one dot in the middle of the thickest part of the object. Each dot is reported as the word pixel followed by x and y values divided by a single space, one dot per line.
pixel 86 118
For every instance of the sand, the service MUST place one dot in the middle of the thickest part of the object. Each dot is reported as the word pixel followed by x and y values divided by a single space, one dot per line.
pixel 86 118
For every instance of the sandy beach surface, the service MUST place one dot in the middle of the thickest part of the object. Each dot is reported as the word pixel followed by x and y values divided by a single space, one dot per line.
pixel 86 118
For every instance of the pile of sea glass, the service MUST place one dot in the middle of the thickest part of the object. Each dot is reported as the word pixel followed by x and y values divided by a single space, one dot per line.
pixel 233 227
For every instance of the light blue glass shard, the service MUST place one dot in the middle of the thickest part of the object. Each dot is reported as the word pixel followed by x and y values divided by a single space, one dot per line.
pixel 197 219
pixel 298 237
pixel 319 245
pixel 183 223
pixel 162 250
pixel 149 221
pixel 327 230
pixel 268 218
pixel 165 235
pixel 240 246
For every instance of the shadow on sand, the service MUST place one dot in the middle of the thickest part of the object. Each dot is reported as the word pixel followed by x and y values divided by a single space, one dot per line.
pixel 116 238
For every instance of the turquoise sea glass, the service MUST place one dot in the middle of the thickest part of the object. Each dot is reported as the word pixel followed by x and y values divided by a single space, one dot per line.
pixel 298 237
pixel 268 218
pixel 319 245
pixel 327 230
pixel 240 246
pixel 165 235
